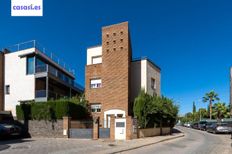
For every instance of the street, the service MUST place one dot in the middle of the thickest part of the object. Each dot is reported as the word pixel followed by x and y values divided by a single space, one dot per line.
pixel 194 142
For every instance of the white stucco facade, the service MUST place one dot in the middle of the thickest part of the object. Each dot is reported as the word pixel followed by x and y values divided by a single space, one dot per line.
pixel 93 52
pixel 22 86
pixel 142 71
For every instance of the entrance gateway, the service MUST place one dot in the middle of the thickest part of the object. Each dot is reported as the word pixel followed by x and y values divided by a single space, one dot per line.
pixel 116 112
pixel 120 129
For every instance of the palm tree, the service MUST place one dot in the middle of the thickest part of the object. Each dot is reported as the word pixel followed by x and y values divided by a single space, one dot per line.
pixel 220 110
pixel 211 97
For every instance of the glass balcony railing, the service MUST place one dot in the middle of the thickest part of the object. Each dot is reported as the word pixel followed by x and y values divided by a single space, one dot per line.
pixel 58 74
pixel 35 44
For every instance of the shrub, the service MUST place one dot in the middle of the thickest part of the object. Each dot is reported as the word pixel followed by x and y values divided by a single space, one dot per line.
pixel 52 110
pixel 23 111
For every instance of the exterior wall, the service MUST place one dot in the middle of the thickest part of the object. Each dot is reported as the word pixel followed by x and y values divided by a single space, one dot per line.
pixel 2 81
pixel 93 95
pixel 22 86
pixel 114 71
pixel 141 73
pixel 116 58
pixel 149 132
pixel 46 129
pixel 92 52
pixel 231 91
pixel 153 72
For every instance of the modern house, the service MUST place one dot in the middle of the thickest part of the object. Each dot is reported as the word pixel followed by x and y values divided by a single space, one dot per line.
pixel 28 73
pixel 113 79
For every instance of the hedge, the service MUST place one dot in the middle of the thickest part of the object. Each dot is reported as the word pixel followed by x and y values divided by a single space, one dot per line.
pixel 51 110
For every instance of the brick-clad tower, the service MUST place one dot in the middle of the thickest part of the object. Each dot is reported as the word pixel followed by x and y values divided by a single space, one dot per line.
pixel 231 91
pixel 2 93
pixel 112 73
pixel 116 58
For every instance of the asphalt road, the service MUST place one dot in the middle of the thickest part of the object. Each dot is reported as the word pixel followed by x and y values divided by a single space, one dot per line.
pixel 194 142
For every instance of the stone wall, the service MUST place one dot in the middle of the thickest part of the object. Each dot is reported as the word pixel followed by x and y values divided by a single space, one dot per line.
pixel 149 132
pixel 45 128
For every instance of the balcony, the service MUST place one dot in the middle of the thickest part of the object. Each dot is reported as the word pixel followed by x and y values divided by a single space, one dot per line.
pixel 42 50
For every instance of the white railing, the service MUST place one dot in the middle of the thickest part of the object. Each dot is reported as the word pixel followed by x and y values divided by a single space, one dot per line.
pixel 35 44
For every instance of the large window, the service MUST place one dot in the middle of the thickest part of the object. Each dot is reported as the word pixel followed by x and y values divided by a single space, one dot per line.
pixel 97 60
pixel 30 65
pixel 95 83
pixel 40 66
pixel 96 108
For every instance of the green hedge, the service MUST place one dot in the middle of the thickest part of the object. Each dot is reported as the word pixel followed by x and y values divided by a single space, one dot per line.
pixel 51 110
pixel 23 111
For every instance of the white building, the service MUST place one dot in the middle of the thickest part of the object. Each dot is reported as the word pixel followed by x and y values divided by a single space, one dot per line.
pixel 32 75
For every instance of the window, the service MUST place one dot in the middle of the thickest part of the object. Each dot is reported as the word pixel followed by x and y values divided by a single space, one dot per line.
pixel 7 89
pixel 114 41
pixel 153 83
pixel 40 66
pixel 97 60
pixel 121 40
pixel 96 108
pixel 30 65
pixel 114 34
pixel 95 83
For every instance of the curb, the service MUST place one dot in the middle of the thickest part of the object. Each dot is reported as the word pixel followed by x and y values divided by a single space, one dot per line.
pixel 140 146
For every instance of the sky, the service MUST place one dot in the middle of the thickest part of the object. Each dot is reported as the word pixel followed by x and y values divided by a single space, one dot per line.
pixel 189 39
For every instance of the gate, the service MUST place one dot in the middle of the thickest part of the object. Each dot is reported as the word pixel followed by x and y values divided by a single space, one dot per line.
pixel 82 133
pixel 104 132
pixel 81 129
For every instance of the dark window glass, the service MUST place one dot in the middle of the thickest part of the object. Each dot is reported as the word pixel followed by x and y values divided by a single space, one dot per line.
pixel 8 89
pixel 30 65
pixel 120 124
pixel 40 66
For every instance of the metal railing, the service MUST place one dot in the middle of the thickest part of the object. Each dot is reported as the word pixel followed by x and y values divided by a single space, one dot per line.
pixel 35 44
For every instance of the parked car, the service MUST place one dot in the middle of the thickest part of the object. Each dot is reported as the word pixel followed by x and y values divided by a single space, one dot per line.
pixel 13 129
pixel 187 125
pixel 202 125
pixel 195 125
pixel 4 132
pixel 219 128
pixel 9 125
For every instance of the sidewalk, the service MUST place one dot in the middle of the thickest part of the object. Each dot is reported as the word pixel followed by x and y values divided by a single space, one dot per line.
pixel 122 146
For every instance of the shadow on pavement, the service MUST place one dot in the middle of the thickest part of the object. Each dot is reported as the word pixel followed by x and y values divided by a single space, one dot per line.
pixel 5 143
pixel 175 130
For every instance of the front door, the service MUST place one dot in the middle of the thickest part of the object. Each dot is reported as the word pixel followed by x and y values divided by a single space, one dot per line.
pixel 120 129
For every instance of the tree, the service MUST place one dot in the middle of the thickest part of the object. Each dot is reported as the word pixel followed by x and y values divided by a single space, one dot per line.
pixel 141 109
pixel 211 97
pixel 154 110
pixel 194 107
pixel 220 111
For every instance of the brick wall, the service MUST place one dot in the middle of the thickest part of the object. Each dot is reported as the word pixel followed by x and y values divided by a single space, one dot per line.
pixel 114 71
pixel 116 57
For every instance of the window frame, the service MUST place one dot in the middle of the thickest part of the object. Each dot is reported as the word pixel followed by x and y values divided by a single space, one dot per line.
pixel 93 57
pixel 95 107
pixel 153 84
pixel 96 84
pixel 27 65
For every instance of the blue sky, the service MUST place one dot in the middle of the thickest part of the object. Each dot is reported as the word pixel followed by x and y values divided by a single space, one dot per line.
pixel 189 39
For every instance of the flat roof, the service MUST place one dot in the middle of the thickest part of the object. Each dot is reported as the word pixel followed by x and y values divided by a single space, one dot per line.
pixel 145 58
